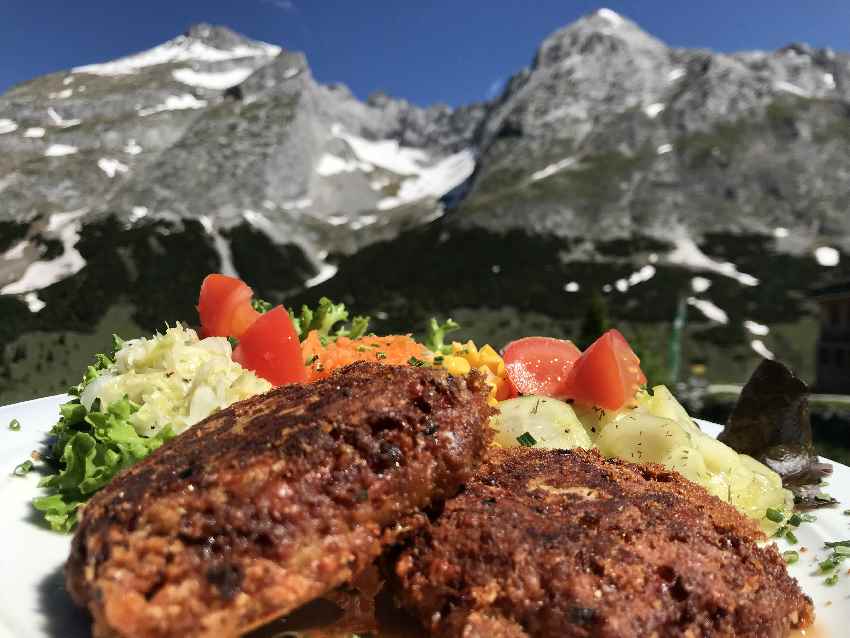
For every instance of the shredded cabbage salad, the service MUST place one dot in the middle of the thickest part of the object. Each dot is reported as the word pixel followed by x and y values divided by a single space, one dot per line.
pixel 129 404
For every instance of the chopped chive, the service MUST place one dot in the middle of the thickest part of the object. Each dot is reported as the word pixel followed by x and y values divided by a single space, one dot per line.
pixel 774 515
pixel 795 520
pixel 846 512
pixel 791 537
pixel 438 359
pixel 791 556
pixel 808 518
pixel 14 425
pixel 22 468
pixel 361 348
pixel 831 580
pixel 827 565
pixel 419 363
pixel 838 544
pixel 526 440
pixel 381 355
pixel 311 360
pixel 841 550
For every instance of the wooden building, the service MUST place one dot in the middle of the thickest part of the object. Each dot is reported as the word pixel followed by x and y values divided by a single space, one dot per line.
pixel 833 350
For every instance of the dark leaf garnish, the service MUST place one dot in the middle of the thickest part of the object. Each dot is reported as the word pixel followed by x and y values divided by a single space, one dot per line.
pixel 771 423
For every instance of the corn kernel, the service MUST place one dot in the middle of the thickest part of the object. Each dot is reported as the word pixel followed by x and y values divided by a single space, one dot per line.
pixel 490 358
pixel 458 366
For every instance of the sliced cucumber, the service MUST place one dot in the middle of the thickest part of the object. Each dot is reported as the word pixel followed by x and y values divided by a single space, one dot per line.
pixel 549 423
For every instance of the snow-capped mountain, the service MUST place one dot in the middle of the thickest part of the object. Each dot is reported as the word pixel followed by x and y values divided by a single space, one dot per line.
pixel 612 164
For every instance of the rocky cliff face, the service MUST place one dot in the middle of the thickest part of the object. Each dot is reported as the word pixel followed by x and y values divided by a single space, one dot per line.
pixel 612 165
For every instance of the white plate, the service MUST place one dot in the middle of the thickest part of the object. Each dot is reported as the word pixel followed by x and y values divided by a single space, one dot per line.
pixel 34 602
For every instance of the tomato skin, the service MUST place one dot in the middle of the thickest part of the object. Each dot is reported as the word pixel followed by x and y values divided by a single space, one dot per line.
pixel 271 348
pixel 224 306
pixel 607 374
pixel 540 365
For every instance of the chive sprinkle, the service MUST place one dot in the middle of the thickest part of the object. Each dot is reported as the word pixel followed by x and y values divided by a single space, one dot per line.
pixel 526 440
pixel 419 363
pixel 22 468
pixel 790 557
pixel 774 515
pixel 14 425
pixel 790 537
pixel 831 580
pixel 381 355
pixel 846 512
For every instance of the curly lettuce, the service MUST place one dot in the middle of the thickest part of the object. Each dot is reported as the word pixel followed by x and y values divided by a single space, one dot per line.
pixel 325 319
pixel 90 447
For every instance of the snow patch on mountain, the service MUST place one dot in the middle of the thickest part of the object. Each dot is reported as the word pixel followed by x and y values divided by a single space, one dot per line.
pixel 111 166
pixel 387 154
pixel 434 181
pixel 700 284
pixel 827 256
pixel 132 148
pixel 40 274
pixel 787 87
pixel 60 150
pixel 175 103
pixel 551 169
pixel 709 310
pixel 758 329
pixel 180 49
pixel 31 299
pixel 333 164
pixel 60 121
pixel 653 110
pixel 216 80
pixel 758 346
pixel 687 253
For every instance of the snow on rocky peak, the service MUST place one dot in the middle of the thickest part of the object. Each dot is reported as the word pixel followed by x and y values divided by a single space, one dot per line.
pixel 181 49
pixel 215 80
pixel 111 166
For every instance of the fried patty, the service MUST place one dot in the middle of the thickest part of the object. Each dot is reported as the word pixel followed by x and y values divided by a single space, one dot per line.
pixel 273 501
pixel 566 543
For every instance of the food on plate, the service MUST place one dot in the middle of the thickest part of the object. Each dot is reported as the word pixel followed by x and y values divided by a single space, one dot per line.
pixel 270 348
pixel 654 429
pixel 224 306
pixel 604 385
pixel 538 421
pixel 566 543
pixel 129 404
pixel 273 501
pixel 771 422
pixel 540 365
pixel 324 358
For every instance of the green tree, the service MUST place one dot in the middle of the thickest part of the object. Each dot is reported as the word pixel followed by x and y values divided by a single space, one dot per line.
pixel 595 320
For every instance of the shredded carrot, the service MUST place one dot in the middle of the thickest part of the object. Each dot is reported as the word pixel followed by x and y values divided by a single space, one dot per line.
pixel 324 359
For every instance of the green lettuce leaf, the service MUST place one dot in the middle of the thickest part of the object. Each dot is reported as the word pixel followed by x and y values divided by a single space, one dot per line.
pixel 89 448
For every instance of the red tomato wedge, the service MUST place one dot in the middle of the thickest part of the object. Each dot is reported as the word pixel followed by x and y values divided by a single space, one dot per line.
pixel 540 365
pixel 224 306
pixel 607 374
pixel 270 347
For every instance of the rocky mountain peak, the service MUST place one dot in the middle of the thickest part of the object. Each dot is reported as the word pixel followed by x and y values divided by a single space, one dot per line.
pixel 602 32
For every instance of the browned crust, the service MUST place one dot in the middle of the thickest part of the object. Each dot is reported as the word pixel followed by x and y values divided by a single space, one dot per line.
pixel 565 543
pixel 274 501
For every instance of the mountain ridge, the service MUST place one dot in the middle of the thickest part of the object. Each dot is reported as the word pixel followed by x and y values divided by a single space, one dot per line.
pixel 622 165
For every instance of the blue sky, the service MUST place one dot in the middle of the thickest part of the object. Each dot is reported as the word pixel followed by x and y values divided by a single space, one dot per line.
pixel 441 51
